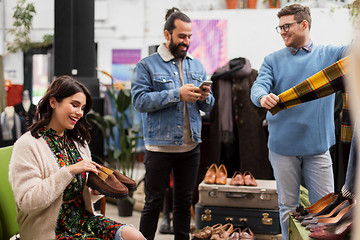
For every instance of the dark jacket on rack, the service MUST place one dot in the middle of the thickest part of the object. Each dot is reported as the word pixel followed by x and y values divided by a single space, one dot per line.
pixel 236 124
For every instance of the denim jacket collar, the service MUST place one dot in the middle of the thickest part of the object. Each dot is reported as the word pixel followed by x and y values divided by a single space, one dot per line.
pixel 166 55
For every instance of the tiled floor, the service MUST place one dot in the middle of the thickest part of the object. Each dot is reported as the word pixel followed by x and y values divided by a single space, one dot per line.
pixel 111 212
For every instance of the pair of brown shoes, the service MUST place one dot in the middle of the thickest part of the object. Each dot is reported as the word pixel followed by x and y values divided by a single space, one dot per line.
pixel 111 183
pixel 216 232
pixel 246 179
pixel 216 175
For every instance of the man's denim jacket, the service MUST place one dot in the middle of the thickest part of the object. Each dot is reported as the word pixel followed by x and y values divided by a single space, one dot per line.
pixel 155 93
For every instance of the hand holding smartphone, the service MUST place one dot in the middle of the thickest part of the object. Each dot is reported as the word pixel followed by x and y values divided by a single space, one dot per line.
pixel 205 83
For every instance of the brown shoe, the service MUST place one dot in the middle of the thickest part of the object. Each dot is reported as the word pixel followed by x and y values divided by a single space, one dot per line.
pixel 237 179
pixel 221 175
pixel 107 185
pixel 249 180
pixel 246 234
pixel 206 232
pixel 210 175
pixel 235 235
pixel 223 232
pixel 128 182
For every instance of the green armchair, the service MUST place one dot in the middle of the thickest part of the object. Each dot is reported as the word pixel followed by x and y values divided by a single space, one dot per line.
pixel 8 224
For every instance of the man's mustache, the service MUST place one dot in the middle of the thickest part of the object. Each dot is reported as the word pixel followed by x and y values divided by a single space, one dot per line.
pixel 183 44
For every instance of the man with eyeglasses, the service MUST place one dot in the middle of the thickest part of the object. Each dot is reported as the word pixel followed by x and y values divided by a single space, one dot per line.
pixel 299 137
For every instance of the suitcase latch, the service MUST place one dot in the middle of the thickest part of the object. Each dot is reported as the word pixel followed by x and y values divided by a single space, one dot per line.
pixel 266 220
pixel 207 216
pixel 213 193
pixel 264 195
pixel 243 220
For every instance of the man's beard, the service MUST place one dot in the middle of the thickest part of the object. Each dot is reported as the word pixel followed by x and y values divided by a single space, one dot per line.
pixel 174 49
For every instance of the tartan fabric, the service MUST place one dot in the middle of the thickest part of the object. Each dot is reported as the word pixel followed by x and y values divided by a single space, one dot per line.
pixel 346 127
pixel 308 48
pixel 321 84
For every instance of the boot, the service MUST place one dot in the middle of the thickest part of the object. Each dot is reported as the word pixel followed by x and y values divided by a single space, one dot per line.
pixel 165 226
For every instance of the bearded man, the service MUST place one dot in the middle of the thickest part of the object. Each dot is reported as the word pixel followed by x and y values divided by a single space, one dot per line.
pixel 165 89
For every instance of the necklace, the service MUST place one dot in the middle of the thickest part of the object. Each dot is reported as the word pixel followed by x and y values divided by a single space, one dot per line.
pixel 61 142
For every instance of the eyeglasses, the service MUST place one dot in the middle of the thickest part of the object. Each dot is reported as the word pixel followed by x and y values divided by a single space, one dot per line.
pixel 286 26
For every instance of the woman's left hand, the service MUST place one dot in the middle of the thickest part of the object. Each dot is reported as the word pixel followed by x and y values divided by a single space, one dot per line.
pixel 94 192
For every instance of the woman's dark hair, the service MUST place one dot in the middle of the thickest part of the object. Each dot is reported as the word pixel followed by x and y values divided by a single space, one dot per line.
pixel 170 17
pixel 60 88
pixel 300 13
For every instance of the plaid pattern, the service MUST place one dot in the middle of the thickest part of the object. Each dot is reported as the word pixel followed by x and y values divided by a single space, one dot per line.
pixel 321 84
pixel 346 127
pixel 307 48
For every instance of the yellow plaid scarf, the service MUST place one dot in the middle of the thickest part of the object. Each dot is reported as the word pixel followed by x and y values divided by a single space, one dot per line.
pixel 321 84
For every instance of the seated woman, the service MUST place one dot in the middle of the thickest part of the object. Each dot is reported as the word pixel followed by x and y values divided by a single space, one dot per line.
pixel 48 170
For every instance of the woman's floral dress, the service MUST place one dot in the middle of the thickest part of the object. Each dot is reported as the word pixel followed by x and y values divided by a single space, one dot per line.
pixel 74 222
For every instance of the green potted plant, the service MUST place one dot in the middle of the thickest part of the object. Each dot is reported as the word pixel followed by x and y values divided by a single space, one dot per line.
pixel 120 156
pixel 23 15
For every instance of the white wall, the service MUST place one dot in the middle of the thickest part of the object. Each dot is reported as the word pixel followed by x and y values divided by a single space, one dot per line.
pixel 137 24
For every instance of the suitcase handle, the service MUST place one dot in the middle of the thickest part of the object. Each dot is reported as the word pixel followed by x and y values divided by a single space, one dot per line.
pixel 235 195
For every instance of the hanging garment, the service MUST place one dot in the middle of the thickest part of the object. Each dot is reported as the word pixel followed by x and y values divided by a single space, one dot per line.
pixel 224 76
pixel 10 133
pixel 27 115
pixel 238 137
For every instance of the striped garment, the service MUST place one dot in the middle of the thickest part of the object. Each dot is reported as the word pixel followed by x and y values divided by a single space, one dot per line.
pixel 321 84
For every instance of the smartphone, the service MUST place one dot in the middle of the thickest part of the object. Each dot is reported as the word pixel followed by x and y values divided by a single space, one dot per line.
pixel 205 83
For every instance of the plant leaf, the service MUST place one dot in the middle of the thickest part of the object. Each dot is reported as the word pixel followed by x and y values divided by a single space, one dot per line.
pixel 123 100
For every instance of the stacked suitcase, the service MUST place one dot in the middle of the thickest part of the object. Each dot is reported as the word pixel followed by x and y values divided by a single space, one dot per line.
pixel 243 206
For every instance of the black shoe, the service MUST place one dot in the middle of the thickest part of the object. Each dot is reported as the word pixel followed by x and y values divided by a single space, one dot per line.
pixel 165 227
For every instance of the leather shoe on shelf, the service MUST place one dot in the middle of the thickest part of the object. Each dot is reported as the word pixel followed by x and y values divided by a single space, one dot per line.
pixel 210 175
pixel 128 182
pixel 333 213
pixel 246 234
pixel 319 202
pixel 337 233
pixel 330 207
pixel 221 175
pixel 327 209
pixel 318 209
pixel 206 232
pixel 107 185
pixel 301 211
pixel 249 179
pixel 344 215
pixel 222 233
pixel 237 179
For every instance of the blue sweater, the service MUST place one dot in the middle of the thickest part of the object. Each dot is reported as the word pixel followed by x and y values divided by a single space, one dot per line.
pixel 308 128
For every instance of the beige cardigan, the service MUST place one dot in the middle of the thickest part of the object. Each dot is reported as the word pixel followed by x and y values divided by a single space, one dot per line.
pixel 38 184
